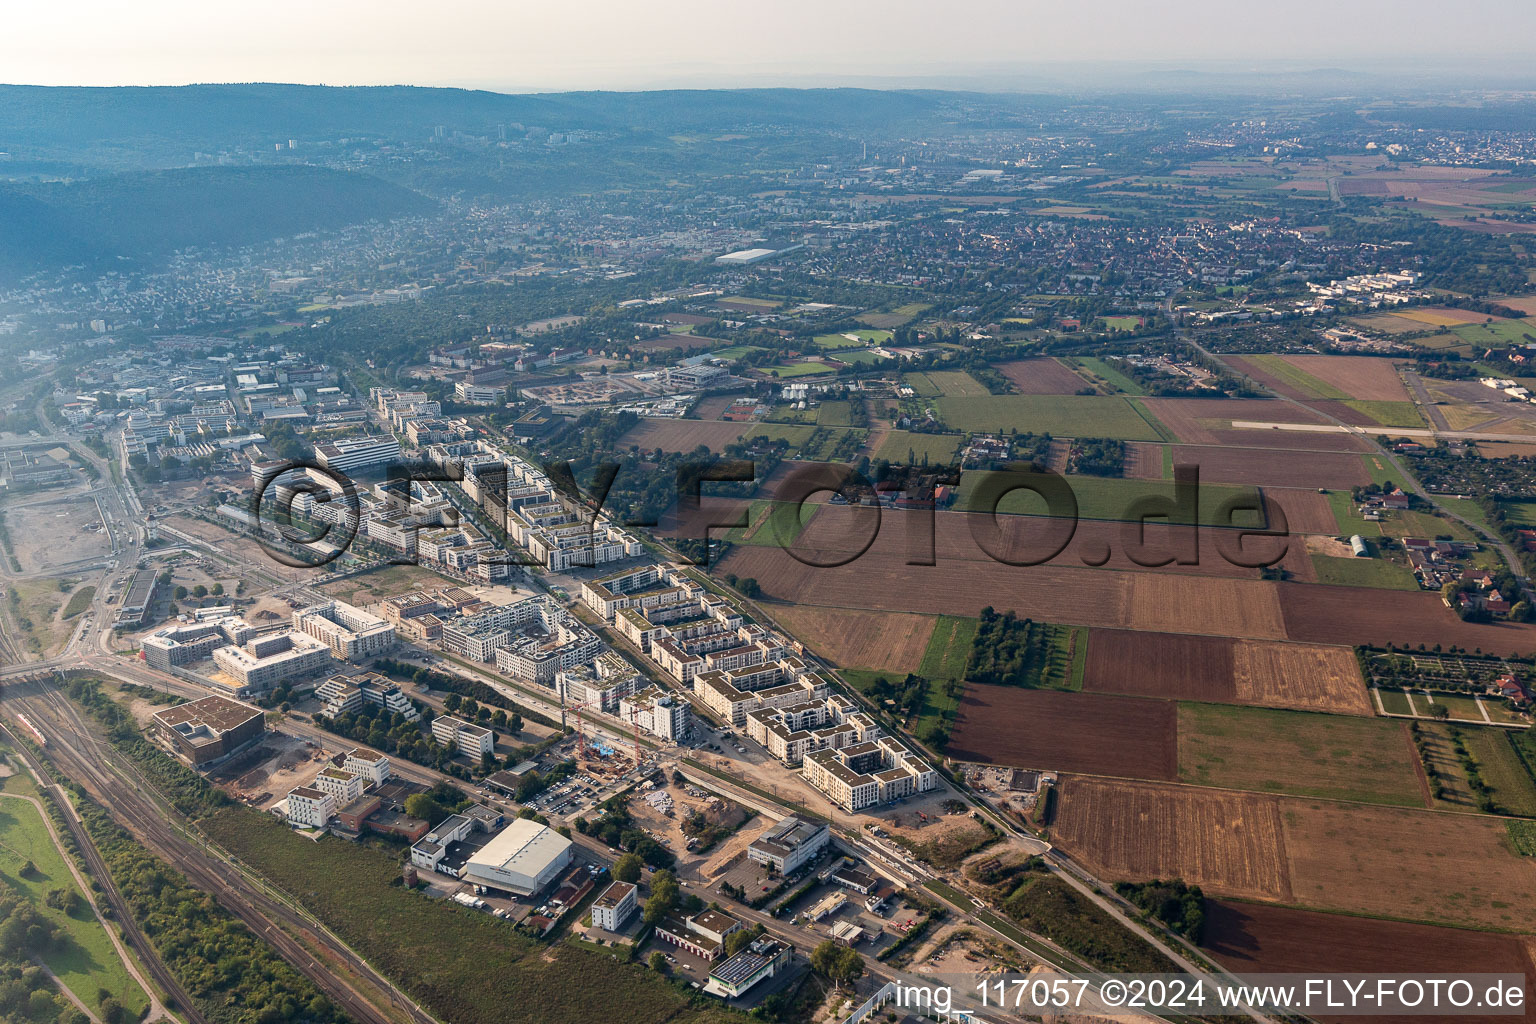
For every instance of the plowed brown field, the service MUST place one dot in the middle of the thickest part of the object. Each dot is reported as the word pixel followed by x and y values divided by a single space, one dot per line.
pixel 1254 938
pixel 1042 376
pixel 1361 615
pixel 1087 733
pixel 683 435
pixel 1272 467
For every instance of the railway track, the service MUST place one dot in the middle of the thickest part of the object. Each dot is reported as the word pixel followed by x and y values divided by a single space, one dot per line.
pixel 115 784
pixel 97 868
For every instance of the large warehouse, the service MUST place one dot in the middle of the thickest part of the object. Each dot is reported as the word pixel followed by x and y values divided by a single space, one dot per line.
pixel 522 859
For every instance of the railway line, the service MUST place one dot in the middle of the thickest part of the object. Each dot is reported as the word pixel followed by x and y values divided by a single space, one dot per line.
pixel 116 785
pixel 132 934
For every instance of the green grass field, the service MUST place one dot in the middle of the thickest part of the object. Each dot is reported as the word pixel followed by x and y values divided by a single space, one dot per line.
pixel 1061 415
pixel 949 647
pixel 1347 519
pixel 906 447
pixel 1390 414
pixel 1122 323
pixel 1522 513
pixel 1466 508
pixel 789 414
pixel 79 601
pixel 771 524
pixel 796 370
pixel 1381 471
pixel 1497 334
pixel 1106 371
pixel 834 414
pixel 736 351
pixel 87 961
pixel 957 384
pixel 464 965
pixel 837 341
pixel 858 355
pixel 1363 572
pixel 1462 709
pixel 920 383
pixel 1501 769
pixel 1394 701
pixel 1305 383
pixel 1263 750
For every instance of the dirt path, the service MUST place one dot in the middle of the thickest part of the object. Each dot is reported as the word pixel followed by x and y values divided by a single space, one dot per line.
pixel 1418 767
pixel 156 1008
pixel 1061 451
pixel 67 992
pixel 879 426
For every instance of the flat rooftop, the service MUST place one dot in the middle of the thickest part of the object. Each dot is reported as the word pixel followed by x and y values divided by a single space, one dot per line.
pixel 215 713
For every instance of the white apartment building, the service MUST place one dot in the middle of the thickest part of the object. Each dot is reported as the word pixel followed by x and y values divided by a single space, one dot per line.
pixel 186 643
pixel 866 774
pixel 351 633
pixel 310 808
pixel 615 906
pixel 265 661
pixel 661 714
pixel 369 765
pixel 342 786
pixel 474 740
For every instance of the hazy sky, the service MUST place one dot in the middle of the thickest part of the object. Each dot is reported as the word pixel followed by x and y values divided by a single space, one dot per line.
pixel 550 44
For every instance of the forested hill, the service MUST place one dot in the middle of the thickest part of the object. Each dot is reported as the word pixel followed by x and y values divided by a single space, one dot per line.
pixel 113 124
pixel 145 215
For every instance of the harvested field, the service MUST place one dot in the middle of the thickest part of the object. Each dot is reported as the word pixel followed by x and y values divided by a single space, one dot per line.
pixel 1333 757
pixel 1306 511
pixel 1254 938
pixel 1362 615
pixel 1302 676
pixel 1273 467
pixel 885 641
pixel 840 531
pixel 683 435
pixel 1228 607
pixel 1144 460
pixel 1041 376
pixel 1209 668
pixel 1192 420
pixel 1085 733
pixel 1181 599
pixel 1231 844
pixel 1367 378
pixel 711 406
pixel 1446 868
pixel 1068 595
pixel 1525 304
